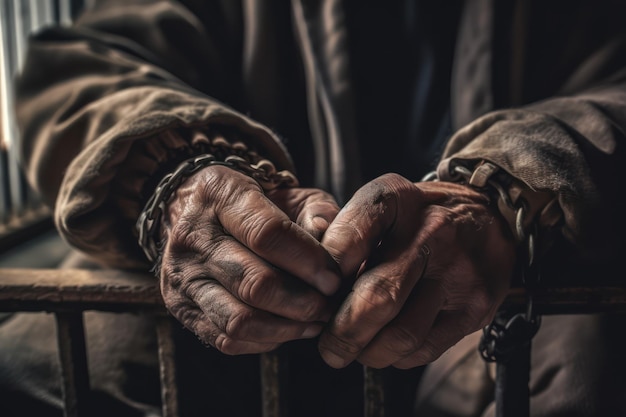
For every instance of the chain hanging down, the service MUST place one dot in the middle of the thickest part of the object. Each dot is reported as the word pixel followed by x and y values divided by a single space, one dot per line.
pixel 507 339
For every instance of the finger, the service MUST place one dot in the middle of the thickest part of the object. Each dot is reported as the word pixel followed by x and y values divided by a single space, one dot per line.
pixel 449 328
pixel 364 220
pixel 317 216
pixel 258 284
pixel 377 297
pixel 239 321
pixel 407 332
pixel 311 209
pixel 196 321
pixel 262 227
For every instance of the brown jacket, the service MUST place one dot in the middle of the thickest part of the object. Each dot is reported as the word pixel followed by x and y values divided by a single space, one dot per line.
pixel 105 107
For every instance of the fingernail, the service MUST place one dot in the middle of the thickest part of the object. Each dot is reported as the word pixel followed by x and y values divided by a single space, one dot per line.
pixel 312 331
pixel 333 359
pixel 320 223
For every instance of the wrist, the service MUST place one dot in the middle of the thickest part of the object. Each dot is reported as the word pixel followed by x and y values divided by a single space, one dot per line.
pixel 234 156
pixel 532 216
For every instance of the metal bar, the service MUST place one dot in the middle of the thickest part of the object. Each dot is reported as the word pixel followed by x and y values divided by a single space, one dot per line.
pixel 5 125
pixel 274 384
pixel 78 290
pixel 47 288
pixel 65 12
pixel 167 367
pixel 42 13
pixel 73 359
pixel 374 393
pixel 19 24
pixel 5 208
pixel 571 300
pixel 512 395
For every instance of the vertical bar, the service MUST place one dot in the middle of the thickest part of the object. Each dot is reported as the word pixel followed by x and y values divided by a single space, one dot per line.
pixel 65 12
pixel 19 22
pixel 41 13
pixel 374 392
pixel 6 42
pixel 167 367
pixel 512 379
pixel 4 188
pixel 273 384
pixel 73 360
pixel 76 6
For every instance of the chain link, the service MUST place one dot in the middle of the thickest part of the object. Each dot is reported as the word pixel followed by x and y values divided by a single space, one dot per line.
pixel 263 171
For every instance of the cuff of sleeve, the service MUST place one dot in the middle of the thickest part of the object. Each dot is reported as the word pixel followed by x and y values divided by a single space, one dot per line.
pixel 151 160
pixel 525 210
pixel 219 152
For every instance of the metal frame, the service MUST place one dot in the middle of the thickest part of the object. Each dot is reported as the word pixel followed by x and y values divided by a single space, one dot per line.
pixel 69 293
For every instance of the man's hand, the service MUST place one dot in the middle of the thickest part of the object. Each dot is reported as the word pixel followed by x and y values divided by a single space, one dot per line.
pixel 431 263
pixel 236 268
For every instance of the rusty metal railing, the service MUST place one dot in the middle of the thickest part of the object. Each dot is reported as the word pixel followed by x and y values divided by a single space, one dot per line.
pixel 67 293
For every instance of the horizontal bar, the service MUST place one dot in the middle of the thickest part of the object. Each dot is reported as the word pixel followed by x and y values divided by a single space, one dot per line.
pixel 78 289
pixel 23 289
pixel 571 300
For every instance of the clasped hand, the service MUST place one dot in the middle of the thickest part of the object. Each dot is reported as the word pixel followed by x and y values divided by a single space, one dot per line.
pixel 422 265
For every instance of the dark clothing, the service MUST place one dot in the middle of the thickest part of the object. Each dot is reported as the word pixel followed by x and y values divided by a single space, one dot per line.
pixel 142 71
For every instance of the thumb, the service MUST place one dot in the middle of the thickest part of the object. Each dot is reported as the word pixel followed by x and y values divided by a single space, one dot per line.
pixel 316 216
pixel 310 208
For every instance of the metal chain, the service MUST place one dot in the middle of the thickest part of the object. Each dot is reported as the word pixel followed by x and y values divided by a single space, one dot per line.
pixel 507 333
pixel 147 225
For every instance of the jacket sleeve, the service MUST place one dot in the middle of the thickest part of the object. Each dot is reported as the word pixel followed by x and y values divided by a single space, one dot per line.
pixel 569 147
pixel 105 106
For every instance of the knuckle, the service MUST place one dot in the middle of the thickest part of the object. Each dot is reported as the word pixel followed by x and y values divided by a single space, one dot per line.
pixel 481 303
pixel 227 345
pixel 382 294
pixel 238 324
pixel 427 354
pixel 171 274
pixel 180 236
pixel 189 237
pixel 391 184
pixel 336 343
pixel 310 311
pixel 266 234
pixel 256 287
pixel 188 317
pixel 342 237
pixel 198 288
pixel 402 341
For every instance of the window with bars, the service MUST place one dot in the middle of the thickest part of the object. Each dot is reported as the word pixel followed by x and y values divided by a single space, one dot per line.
pixel 22 214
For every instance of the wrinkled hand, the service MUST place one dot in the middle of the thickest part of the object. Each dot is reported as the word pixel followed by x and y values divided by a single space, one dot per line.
pixel 432 263
pixel 245 271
